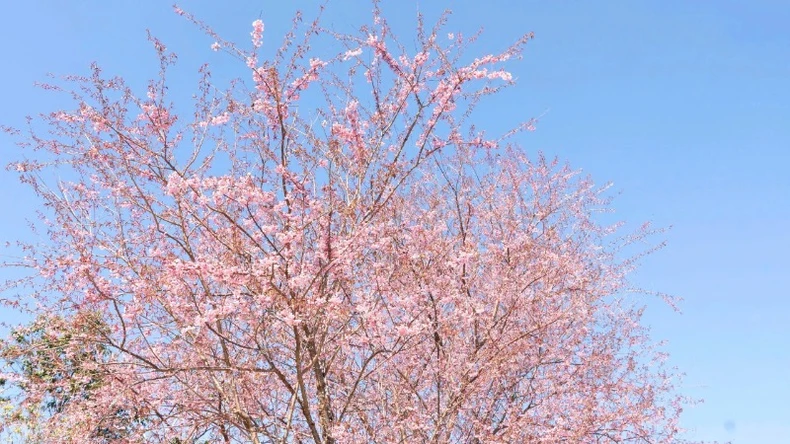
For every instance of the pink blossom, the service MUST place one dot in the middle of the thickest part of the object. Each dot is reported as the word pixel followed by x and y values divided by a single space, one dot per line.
pixel 421 58
pixel 220 119
pixel 257 33
pixel 316 63
pixel 352 53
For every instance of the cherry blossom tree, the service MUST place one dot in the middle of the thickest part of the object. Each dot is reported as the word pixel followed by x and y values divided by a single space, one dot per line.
pixel 327 250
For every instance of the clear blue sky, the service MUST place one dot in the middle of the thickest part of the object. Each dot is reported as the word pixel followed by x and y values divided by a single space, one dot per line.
pixel 685 106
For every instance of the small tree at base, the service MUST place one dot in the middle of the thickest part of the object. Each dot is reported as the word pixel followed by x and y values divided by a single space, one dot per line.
pixel 59 364
pixel 334 254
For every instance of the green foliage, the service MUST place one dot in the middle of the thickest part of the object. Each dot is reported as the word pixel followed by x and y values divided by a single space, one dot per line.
pixel 57 362
pixel 52 355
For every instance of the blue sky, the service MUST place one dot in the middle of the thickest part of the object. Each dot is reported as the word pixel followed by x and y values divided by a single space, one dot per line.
pixel 684 106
